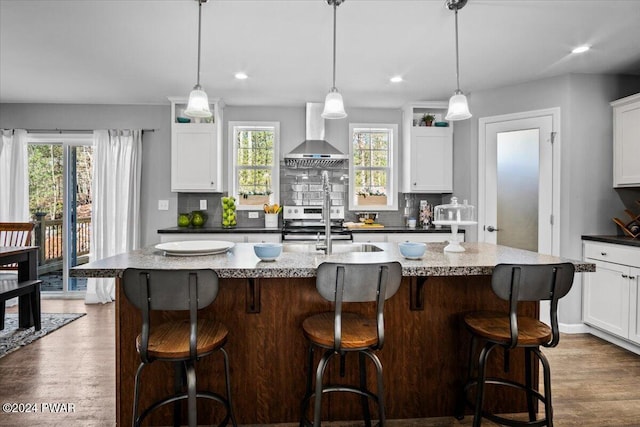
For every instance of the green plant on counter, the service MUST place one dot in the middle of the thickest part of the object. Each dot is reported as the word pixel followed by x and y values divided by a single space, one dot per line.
pixel 246 194
pixel 368 192
pixel 428 119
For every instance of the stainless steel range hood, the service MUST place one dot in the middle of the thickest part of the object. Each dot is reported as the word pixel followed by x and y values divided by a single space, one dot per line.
pixel 315 152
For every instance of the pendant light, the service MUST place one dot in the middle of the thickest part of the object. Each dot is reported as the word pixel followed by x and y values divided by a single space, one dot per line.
pixel 198 106
pixel 333 104
pixel 458 105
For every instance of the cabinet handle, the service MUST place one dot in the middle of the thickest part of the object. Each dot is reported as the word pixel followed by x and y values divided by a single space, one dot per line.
pixel 632 277
pixel 624 276
pixel 603 253
pixel 415 183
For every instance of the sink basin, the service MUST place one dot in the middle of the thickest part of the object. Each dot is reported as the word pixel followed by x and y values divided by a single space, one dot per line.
pixel 337 248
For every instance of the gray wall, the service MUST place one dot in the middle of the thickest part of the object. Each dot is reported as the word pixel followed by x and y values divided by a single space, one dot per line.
pixel 156 148
pixel 588 199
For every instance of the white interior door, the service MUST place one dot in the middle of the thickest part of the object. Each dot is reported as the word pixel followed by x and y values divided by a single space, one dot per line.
pixel 519 181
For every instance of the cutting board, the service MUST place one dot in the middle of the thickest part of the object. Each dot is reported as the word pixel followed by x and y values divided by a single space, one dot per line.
pixel 360 225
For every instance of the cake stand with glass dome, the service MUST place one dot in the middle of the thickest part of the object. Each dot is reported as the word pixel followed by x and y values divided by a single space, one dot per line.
pixel 454 215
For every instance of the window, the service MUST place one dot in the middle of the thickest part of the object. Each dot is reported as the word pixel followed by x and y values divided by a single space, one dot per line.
pixel 373 178
pixel 255 166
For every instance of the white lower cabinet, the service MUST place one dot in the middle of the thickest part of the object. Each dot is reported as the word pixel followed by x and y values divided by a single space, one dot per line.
pixel 403 237
pixel 610 296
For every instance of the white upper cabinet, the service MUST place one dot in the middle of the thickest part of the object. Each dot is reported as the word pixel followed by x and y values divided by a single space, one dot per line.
pixel 196 149
pixel 626 141
pixel 427 151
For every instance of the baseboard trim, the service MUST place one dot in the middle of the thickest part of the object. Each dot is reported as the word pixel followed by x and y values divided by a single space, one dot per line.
pixel 574 328
pixel 613 339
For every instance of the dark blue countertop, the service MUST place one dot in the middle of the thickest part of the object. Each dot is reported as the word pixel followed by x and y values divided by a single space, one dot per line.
pixel 618 240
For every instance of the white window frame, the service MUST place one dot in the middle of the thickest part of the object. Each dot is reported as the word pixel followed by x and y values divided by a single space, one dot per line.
pixel 274 197
pixel 392 196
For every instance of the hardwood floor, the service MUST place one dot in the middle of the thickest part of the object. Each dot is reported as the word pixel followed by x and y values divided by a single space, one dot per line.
pixel 595 383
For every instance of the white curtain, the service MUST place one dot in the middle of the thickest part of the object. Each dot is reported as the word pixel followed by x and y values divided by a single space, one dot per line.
pixel 115 216
pixel 14 176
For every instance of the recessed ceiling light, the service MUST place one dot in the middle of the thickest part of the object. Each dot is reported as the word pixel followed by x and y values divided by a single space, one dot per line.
pixel 241 76
pixel 581 49
pixel 395 79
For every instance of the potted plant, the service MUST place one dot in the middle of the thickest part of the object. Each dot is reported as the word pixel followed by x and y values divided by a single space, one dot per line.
pixel 428 119
pixel 371 197
pixel 259 198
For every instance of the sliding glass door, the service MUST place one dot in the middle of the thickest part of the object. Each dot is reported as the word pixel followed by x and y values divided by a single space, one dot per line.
pixel 60 175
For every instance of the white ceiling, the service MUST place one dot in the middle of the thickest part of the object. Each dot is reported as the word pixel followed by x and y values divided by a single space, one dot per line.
pixel 142 51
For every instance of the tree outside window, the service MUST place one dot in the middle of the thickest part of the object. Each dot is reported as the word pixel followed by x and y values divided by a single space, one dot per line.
pixel 255 163
pixel 371 167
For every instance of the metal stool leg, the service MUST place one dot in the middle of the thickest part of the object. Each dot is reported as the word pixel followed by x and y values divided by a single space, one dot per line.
pixel 546 369
pixel 178 386
pixel 482 365
pixel 317 407
pixel 363 387
pixel 228 384
pixel 380 396
pixel 191 393
pixel 136 395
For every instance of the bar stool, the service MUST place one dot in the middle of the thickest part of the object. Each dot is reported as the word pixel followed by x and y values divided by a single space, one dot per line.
pixel 181 342
pixel 514 283
pixel 343 332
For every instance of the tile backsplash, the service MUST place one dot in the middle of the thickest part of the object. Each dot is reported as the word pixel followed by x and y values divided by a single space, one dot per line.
pixel 303 187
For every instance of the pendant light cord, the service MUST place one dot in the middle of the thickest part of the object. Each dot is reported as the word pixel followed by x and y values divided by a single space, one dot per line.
pixel 457 56
pixel 199 31
pixel 335 6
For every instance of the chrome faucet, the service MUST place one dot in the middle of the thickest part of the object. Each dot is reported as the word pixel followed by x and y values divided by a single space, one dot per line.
pixel 326 215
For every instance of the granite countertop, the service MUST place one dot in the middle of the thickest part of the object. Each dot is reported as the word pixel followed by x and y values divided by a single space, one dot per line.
pixel 241 262
pixel 618 240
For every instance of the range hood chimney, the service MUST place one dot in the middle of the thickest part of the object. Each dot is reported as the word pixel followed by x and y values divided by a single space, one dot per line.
pixel 315 152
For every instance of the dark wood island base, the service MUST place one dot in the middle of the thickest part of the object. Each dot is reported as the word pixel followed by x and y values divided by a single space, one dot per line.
pixel 424 356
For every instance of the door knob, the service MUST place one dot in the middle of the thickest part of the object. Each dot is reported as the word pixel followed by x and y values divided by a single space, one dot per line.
pixel 491 229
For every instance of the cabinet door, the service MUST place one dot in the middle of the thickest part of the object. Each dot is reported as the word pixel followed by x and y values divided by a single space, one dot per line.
pixel 193 158
pixel 431 162
pixel 634 308
pixel 369 237
pixel 626 145
pixel 263 238
pixel 606 298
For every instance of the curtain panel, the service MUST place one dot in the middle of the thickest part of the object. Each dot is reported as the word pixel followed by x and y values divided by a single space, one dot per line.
pixel 14 176
pixel 115 212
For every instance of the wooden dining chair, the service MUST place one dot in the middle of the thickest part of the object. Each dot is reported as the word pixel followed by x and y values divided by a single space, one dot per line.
pixel 15 234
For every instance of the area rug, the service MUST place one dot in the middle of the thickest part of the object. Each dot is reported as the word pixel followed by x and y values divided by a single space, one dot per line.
pixel 12 337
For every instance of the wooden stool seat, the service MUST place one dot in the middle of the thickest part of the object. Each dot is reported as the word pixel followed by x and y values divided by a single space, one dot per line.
pixel 357 331
pixel 495 326
pixel 171 340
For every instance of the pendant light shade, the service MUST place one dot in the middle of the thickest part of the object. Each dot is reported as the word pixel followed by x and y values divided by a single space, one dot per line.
pixel 333 104
pixel 458 105
pixel 198 106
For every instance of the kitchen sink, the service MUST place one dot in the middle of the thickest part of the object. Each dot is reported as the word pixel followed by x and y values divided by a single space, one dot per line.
pixel 339 248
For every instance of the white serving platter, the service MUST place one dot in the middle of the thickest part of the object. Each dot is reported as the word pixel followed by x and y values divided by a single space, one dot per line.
pixel 195 247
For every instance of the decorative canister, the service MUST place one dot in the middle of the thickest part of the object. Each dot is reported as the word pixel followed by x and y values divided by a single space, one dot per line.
pixel 184 219
pixel 198 218
pixel 271 220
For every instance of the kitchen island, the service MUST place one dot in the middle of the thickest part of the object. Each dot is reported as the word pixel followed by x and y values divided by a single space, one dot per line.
pixel 264 303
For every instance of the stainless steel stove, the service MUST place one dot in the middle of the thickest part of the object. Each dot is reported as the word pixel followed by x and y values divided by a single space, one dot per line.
pixel 304 223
